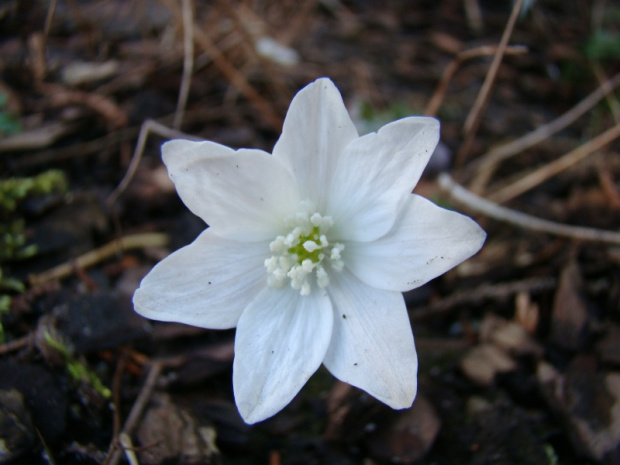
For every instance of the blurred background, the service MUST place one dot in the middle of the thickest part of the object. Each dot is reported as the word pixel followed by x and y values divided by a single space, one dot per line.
pixel 519 347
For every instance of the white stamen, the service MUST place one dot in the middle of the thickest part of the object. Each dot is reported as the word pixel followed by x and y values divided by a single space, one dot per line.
pixel 307 265
pixel 335 254
pixel 322 279
pixel 316 219
pixel 311 246
pixel 310 229
pixel 285 263
pixel 305 288
pixel 271 264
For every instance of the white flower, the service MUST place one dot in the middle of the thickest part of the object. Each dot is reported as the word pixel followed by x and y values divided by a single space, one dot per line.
pixel 308 252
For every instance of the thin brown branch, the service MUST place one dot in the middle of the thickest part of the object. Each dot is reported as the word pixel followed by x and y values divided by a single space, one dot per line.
pixel 147 127
pixel 238 80
pixel 136 412
pixel 232 74
pixel 485 165
pixel 549 170
pixel 128 447
pixel 612 101
pixel 438 96
pixel 475 115
pixel 251 28
pixel 95 256
pixel 48 20
pixel 61 96
pixel 523 220
pixel 188 62
pixel 16 344
pixel 83 149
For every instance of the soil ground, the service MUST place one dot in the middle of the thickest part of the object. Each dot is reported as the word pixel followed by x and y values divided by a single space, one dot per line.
pixel 519 347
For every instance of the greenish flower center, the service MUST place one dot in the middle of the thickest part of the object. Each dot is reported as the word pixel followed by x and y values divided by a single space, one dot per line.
pixel 304 255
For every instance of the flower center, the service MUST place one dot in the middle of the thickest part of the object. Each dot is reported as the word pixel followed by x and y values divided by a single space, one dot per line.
pixel 302 255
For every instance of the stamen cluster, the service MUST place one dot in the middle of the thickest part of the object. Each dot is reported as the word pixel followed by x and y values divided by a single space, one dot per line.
pixel 304 251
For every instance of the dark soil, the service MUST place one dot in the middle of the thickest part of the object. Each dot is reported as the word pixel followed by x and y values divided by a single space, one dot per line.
pixel 519 347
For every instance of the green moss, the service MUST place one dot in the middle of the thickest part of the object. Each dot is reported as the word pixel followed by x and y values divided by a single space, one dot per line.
pixel 13 242
pixel 14 190
pixel 76 368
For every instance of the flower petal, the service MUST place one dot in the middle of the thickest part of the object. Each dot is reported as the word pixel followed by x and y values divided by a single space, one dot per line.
pixel 281 341
pixel 425 242
pixel 242 195
pixel 372 344
pixel 316 129
pixel 375 174
pixel 207 283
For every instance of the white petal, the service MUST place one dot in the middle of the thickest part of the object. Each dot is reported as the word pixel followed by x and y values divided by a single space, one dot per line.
pixel 374 175
pixel 372 344
pixel 316 129
pixel 281 341
pixel 425 242
pixel 207 283
pixel 242 194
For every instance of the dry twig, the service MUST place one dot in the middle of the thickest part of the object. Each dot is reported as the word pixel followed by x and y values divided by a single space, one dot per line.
pixel 549 170
pixel 611 99
pixel 436 100
pixel 136 412
pixel 475 114
pixel 17 344
pixel 128 447
pixel 232 74
pixel 251 28
pixel 485 165
pixel 48 20
pixel 88 259
pixel 497 212
pixel 238 80
pixel 61 96
pixel 188 62
pixel 147 127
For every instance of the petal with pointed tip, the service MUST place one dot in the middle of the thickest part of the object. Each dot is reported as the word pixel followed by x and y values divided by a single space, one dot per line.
pixel 425 242
pixel 372 344
pixel 316 129
pixel 375 174
pixel 207 283
pixel 243 195
pixel 281 341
